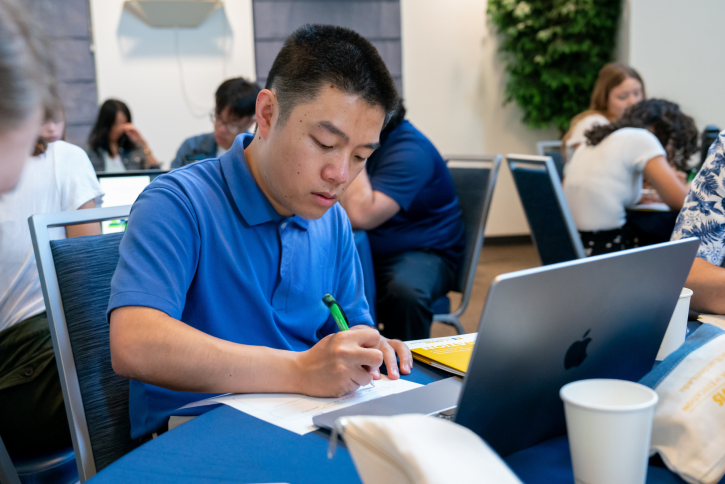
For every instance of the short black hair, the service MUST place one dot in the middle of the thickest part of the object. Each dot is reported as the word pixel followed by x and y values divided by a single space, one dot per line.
pixel 239 95
pixel 315 55
pixel 666 121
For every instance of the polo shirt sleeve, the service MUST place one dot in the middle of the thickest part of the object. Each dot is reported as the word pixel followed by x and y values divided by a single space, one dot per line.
pixel 158 254
pixel 703 214
pixel 402 172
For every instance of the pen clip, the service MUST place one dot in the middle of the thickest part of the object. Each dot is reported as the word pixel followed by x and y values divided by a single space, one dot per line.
pixel 337 430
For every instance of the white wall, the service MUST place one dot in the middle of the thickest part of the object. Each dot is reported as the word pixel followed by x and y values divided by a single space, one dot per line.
pixel 453 82
pixel 139 65
pixel 677 48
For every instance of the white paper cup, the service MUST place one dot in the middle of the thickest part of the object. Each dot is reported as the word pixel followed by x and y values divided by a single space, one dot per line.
pixel 677 329
pixel 610 425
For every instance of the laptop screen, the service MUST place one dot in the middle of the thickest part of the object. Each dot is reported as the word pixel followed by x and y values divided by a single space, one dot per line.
pixel 122 189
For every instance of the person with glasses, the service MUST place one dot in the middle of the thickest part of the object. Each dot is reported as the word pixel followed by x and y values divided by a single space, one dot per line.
pixel 233 114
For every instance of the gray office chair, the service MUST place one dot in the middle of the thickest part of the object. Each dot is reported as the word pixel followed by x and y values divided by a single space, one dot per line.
pixel 553 149
pixel 552 226
pixel 8 475
pixel 75 275
pixel 474 179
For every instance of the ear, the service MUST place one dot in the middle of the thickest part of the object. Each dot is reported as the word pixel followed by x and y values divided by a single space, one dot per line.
pixel 266 112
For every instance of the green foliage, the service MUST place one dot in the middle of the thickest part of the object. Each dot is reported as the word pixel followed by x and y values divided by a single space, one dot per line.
pixel 554 50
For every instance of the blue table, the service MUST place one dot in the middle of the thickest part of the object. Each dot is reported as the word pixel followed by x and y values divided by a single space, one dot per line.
pixel 366 260
pixel 226 445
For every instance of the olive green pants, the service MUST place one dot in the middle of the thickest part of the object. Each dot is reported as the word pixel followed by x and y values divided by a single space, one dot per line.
pixel 32 413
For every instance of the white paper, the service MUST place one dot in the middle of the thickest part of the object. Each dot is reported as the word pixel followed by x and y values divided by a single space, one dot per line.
pixel 714 319
pixel 651 207
pixel 431 343
pixel 294 412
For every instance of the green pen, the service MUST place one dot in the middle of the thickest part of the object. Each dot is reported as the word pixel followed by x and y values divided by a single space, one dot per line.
pixel 338 314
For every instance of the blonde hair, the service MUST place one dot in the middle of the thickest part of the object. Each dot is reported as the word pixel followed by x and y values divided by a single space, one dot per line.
pixel 610 76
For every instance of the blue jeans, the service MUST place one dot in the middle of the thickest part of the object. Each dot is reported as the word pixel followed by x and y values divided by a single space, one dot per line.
pixel 408 284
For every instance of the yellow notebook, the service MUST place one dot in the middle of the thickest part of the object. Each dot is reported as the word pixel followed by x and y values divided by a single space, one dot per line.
pixel 452 354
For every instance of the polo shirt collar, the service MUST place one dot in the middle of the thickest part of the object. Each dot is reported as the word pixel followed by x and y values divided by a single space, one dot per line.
pixel 251 202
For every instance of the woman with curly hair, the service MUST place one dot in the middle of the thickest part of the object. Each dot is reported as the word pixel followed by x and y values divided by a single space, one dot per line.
pixel 618 87
pixel 605 174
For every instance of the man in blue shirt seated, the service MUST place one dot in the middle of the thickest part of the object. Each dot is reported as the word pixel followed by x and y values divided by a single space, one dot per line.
pixel 225 262
pixel 236 101
pixel 407 202
pixel 703 216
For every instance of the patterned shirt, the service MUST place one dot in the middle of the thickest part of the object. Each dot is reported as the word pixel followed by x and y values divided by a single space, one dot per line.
pixel 703 214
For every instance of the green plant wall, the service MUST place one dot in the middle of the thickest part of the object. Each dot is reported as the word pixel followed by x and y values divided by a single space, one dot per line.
pixel 553 50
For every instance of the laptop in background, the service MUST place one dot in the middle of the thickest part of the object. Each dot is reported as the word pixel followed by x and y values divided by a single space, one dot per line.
pixel 599 317
pixel 123 188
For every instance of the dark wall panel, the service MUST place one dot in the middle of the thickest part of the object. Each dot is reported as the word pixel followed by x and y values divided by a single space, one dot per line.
pixel 376 20
pixel 68 24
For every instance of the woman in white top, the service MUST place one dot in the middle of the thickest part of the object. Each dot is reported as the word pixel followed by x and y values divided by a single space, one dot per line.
pixel 114 144
pixel 605 174
pixel 618 87
pixel 32 413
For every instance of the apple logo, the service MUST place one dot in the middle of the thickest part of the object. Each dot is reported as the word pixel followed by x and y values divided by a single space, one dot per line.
pixel 577 352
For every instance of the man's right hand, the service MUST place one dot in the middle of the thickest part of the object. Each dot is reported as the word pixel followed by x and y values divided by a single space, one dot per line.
pixel 341 362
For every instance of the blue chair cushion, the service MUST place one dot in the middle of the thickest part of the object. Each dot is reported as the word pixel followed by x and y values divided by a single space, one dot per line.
pixel 53 468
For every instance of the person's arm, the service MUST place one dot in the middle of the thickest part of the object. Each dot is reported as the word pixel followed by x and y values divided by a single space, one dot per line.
pixel 134 135
pixel 664 179
pixel 367 208
pixel 707 282
pixel 85 229
pixel 150 346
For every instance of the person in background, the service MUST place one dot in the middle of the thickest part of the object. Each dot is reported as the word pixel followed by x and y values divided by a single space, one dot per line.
pixel 703 216
pixel 605 175
pixel 115 144
pixel 53 128
pixel 406 201
pixel 233 114
pixel 27 80
pixel 58 178
pixel 618 87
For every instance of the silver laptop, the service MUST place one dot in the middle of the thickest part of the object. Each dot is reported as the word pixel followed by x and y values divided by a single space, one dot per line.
pixel 599 317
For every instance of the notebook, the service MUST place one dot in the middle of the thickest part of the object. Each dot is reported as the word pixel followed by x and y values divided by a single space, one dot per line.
pixel 452 353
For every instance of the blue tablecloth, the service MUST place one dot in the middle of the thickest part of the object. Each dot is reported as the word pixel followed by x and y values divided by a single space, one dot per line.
pixel 226 445
pixel 366 260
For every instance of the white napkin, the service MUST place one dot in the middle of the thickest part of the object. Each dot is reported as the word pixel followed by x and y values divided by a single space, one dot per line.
pixel 417 449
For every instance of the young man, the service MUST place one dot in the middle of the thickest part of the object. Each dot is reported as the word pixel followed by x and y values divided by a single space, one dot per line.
pixel 225 262
pixel 703 215
pixel 236 101
pixel 407 202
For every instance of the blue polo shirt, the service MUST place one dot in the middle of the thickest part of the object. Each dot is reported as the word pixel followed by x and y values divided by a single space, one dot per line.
pixel 409 169
pixel 205 246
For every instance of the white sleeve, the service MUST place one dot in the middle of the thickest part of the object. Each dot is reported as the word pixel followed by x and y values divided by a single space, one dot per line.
pixel 75 177
pixel 584 125
pixel 642 147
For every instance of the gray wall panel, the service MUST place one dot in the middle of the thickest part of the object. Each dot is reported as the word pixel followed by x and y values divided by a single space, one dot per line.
pixel 68 24
pixel 369 19
pixel 376 20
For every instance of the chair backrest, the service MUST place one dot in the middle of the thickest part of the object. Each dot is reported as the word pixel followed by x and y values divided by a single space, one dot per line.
pixel 8 474
pixel 75 276
pixel 552 148
pixel 551 223
pixel 474 178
